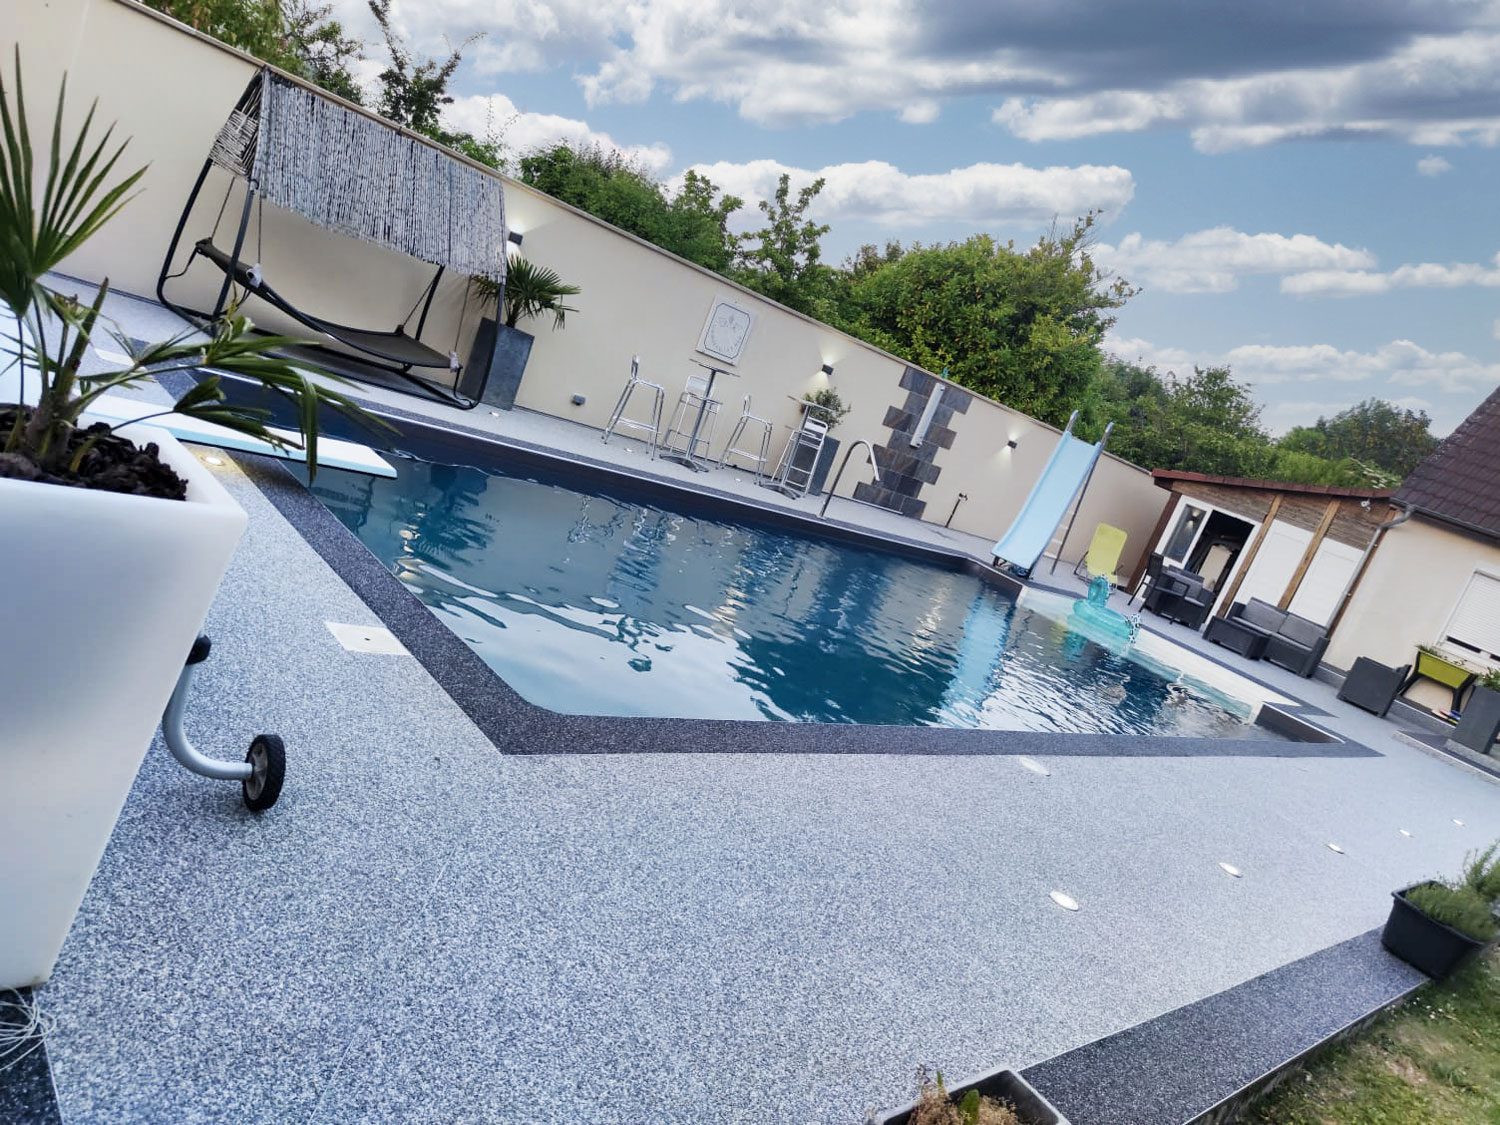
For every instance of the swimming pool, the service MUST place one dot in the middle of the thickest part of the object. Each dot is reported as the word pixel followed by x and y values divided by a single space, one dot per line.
pixel 588 602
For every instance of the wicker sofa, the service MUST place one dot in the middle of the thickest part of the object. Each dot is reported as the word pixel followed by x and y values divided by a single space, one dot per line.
pixel 1292 642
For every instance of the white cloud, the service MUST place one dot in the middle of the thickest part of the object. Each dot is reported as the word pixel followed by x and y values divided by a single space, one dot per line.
pixel 522 132
pixel 1400 363
pixel 1433 165
pixel 1263 72
pixel 1214 260
pixel 980 193
pixel 1419 275
pixel 1434 90
pixel 923 112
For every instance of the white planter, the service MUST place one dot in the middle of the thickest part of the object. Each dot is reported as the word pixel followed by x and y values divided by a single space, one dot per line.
pixel 101 596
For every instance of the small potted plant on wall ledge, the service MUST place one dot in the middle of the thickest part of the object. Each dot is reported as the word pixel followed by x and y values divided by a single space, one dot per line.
pixel 1479 722
pixel 530 291
pixel 1438 925
pixel 1001 1097
pixel 115 542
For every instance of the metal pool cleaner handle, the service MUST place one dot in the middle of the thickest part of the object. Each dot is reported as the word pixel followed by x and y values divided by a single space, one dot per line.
pixel 261 773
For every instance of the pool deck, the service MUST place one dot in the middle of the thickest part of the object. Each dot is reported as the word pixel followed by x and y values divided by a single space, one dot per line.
pixel 596 920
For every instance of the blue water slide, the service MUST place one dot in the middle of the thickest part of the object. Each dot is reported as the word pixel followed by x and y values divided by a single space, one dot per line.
pixel 1064 476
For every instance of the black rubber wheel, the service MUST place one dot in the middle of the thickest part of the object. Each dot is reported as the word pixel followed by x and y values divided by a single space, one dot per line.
pixel 267 758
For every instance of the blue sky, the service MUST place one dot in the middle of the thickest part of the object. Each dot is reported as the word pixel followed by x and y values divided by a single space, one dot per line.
pixel 1306 191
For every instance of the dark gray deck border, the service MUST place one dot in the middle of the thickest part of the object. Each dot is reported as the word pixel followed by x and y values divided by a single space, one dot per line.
pixel 27 1095
pixel 515 725
pixel 1207 1060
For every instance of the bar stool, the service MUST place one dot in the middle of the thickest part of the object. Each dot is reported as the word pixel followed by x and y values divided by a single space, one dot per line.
pixel 693 419
pixel 761 456
pixel 658 402
pixel 790 477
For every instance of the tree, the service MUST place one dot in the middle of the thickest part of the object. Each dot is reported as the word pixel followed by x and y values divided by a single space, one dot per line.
pixel 297 36
pixel 326 55
pixel 783 260
pixel 413 93
pixel 1021 326
pixel 693 222
pixel 1375 432
pixel 1207 422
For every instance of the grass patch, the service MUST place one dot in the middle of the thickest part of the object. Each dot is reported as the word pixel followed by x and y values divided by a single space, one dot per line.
pixel 1437 1058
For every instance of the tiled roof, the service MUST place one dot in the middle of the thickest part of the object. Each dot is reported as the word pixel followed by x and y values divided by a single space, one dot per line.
pixel 1160 475
pixel 1460 482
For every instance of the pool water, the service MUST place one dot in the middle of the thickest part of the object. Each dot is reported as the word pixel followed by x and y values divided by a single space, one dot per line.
pixel 590 603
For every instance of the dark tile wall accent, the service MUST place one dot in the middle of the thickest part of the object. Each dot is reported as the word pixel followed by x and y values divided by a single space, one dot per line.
pixel 904 469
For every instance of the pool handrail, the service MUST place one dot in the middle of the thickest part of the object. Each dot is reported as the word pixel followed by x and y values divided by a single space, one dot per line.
pixel 874 468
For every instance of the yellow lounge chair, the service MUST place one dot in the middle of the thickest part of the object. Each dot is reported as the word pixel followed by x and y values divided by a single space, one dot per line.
pixel 1103 555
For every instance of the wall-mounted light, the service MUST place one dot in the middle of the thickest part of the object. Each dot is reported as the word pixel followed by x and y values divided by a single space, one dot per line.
pixel 827 369
pixel 1011 444
pixel 514 237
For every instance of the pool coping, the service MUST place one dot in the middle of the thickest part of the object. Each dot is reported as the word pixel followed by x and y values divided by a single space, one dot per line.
pixel 1206 1061
pixel 515 725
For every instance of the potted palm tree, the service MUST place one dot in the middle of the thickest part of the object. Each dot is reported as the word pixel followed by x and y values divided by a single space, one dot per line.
pixel 503 350
pixel 115 541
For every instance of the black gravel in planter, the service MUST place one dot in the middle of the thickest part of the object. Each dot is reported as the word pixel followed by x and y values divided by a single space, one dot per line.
pixel 1002 1085
pixel 1436 949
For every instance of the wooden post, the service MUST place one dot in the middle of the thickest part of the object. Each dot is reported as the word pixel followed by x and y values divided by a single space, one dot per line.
pixel 1239 576
pixel 1307 556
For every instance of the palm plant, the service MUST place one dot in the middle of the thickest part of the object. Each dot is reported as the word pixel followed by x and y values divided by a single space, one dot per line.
pixel 531 290
pixel 80 192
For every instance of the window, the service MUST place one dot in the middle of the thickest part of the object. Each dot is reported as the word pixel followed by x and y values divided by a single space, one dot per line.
pixel 1187 530
pixel 1475 624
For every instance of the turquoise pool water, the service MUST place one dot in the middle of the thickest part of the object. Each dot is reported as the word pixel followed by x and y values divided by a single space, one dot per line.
pixel 590 603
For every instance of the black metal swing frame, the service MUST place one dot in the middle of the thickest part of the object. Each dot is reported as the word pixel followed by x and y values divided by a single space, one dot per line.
pixel 392 352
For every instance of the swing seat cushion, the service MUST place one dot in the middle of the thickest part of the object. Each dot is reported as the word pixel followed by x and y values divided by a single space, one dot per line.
pixel 394 347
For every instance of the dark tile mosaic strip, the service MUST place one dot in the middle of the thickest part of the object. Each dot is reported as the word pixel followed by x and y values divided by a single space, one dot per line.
pixel 515 725
pixel 915 380
pixel 1182 1065
pixel 905 468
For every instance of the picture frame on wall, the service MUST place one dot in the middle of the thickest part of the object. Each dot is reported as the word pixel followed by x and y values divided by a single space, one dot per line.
pixel 726 330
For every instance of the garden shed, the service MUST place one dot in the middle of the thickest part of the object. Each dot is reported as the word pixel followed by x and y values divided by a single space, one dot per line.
pixel 1296 546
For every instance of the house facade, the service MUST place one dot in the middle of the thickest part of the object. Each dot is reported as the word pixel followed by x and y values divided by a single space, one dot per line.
pixel 1435 577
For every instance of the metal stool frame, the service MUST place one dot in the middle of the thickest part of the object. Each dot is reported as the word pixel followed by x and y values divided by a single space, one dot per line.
pixel 617 417
pixel 689 402
pixel 760 457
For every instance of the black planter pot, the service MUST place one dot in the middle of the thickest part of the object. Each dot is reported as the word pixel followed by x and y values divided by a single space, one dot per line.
pixel 1479 725
pixel 1004 1085
pixel 1436 949
pixel 500 352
